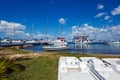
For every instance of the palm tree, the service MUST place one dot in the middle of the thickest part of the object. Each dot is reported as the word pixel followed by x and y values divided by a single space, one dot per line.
pixel 7 67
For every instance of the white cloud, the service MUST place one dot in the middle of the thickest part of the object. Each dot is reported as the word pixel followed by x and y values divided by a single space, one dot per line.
pixel 11 28
pixel 116 11
pixel 100 6
pixel 107 33
pixel 75 30
pixel 85 30
pixel 42 36
pixel 62 21
pixel 100 14
pixel 12 32
pixel 107 17
pixel 11 25
pixel 115 29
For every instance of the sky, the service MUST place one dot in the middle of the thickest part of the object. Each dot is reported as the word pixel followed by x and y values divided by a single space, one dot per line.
pixel 27 19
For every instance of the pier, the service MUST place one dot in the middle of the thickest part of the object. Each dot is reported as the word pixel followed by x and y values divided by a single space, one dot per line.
pixel 20 45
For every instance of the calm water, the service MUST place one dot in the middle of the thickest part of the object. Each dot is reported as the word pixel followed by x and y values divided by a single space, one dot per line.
pixel 79 49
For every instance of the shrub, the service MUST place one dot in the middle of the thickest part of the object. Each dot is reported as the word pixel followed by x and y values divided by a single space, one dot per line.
pixel 7 67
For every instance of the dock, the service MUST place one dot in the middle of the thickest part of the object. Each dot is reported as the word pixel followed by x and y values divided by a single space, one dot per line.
pixel 19 44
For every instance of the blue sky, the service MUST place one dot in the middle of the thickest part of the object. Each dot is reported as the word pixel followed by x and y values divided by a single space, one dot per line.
pixel 99 14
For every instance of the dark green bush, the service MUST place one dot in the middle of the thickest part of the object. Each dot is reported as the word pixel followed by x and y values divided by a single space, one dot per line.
pixel 7 67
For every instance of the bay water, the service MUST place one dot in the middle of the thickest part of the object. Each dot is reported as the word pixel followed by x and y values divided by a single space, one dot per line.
pixel 113 49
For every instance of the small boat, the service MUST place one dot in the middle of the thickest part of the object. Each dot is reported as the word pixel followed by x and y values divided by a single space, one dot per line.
pixel 16 42
pixel 114 42
pixel 5 41
pixel 59 44
pixel 54 48
pixel 81 40
pixel 32 42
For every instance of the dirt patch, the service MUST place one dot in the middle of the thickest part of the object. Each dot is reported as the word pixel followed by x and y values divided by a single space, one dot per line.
pixel 23 56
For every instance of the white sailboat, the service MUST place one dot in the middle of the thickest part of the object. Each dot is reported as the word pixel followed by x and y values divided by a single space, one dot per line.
pixel 59 44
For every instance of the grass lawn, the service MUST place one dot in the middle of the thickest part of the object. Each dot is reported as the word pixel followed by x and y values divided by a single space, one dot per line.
pixel 45 67
pixel 41 68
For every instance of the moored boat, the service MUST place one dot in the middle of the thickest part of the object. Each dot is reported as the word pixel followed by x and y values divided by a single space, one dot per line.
pixel 59 44
pixel 81 40
pixel 16 41
pixel 5 41
pixel 32 42
pixel 54 48
pixel 114 42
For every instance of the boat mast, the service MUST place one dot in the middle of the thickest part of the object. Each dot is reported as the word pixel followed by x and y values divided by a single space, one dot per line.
pixel 58 31
pixel 46 31
pixel 5 31
pixel 32 32
pixel 78 28
pixel 14 33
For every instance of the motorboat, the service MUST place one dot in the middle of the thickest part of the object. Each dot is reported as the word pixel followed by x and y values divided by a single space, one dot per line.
pixel 114 42
pixel 53 48
pixel 32 42
pixel 16 42
pixel 59 44
pixel 5 41
pixel 81 40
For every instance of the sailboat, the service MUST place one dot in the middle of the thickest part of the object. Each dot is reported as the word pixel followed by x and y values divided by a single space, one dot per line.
pixel 58 44
pixel 32 41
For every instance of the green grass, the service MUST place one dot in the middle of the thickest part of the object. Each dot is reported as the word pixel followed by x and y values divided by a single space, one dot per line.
pixel 14 50
pixel 19 51
pixel 42 68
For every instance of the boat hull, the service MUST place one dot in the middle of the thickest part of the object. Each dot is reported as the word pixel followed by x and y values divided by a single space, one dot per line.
pixel 55 48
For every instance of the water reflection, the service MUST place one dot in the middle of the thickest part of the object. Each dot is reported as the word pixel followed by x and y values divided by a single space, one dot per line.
pixel 84 48
pixel 99 48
